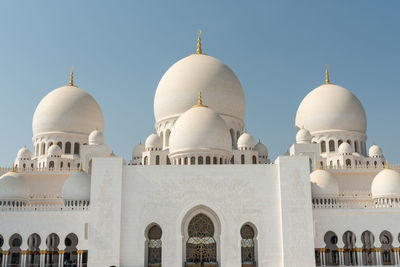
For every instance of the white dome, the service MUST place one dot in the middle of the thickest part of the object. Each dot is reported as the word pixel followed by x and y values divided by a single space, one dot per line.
pixel 13 187
pixel 138 150
pixel 96 138
pixel 345 149
pixel 54 151
pixel 221 88
pixel 375 152
pixel 24 154
pixel 386 184
pixel 323 184
pixel 153 141
pixel 303 136
pixel 261 149
pixel 200 129
pixel 68 109
pixel 245 141
pixel 77 187
pixel 331 107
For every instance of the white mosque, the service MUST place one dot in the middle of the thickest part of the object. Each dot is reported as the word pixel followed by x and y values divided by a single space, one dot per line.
pixel 200 191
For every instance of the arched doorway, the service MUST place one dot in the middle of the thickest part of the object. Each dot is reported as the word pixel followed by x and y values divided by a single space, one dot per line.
pixel 331 249
pixel 154 246
pixel 33 253
pixel 14 256
pixel 71 252
pixel 201 247
pixel 51 257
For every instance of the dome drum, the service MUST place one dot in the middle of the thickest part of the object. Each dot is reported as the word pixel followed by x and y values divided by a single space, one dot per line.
pixel 201 158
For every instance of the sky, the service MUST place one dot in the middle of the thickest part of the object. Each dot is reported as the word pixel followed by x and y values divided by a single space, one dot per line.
pixel 121 49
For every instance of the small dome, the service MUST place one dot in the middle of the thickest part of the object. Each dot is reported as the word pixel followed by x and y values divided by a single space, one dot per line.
pixel 261 149
pixel 54 151
pixel 386 184
pixel 96 138
pixel 200 129
pixel 77 187
pixel 153 142
pixel 331 107
pixel 345 149
pixel 24 154
pixel 138 150
pixel 375 152
pixel 13 187
pixel 323 184
pixel 68 109
pixel 245 141
pixel 303 136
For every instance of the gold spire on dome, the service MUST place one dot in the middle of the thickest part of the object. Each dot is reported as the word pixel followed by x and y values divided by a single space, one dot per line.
pixel 199 51
pixel 71 78
pixel 327 75
pixel 199 102
pixel 387 165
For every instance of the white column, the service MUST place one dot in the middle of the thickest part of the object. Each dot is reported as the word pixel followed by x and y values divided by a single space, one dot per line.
pixel 42 257
pixel 62 258
pixel 23 255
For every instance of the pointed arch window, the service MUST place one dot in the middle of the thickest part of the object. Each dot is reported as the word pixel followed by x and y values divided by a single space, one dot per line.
pixel 248 246
pixel 154 246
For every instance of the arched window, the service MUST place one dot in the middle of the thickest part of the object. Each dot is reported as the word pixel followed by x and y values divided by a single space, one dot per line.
pixel 71 252
pixel 350 253
pixel 201 248
pixel 157 160
pixel 368 252
pixel 356 146
pixel 323 147
pixel 348 162
pixel 76 148
pixel 51 164
pixel 208 160
pixel 154 246
pixel 340 142
pixel 167 134
pixel 331 146
pixel 59 144
pixel 386 248
pixel 61 164
pixel 43 150
pixel 51 257
pixel 200 160
pixel 215 160
pixel 14 256
pixel 233 160
pixel 254 160
pixel 33 255
pixel 331 249
pixel 232 132
pixel 185 161
pixel 242 159
pixel 68 148
pixel 192 160
pixel 248 244
pixel 145 160
pixel 168 161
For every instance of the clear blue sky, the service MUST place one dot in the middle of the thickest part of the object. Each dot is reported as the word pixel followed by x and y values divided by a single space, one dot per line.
pixel 120 50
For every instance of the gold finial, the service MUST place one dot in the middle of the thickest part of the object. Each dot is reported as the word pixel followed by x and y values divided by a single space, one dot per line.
pixel 71 78
pixel 387 165
pixel 327 75
pixel 319 165
pixel 13 168
pixel 199 51
pixel 199 102
pixel 81 167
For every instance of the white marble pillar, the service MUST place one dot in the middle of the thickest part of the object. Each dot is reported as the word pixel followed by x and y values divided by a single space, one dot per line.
pixel 23 258
pixel 42 257
pixel 62 257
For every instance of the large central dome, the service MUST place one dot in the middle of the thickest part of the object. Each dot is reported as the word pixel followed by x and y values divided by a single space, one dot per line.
pixel 221 88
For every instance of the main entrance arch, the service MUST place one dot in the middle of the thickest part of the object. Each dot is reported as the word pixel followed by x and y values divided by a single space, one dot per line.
pixel 201 232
